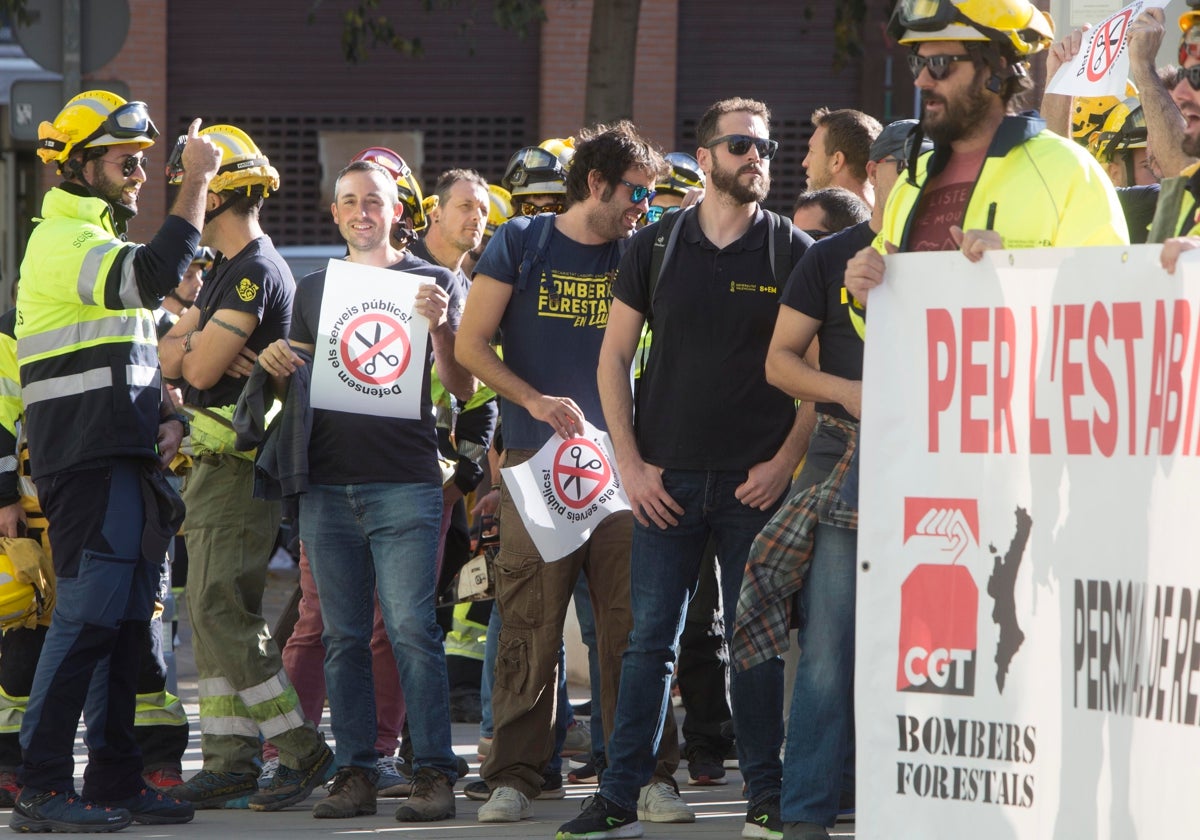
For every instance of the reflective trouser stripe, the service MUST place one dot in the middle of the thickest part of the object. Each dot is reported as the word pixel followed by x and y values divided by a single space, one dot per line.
pixel 12 712
pixel 160 708
pixel 271 707
pixel 466 638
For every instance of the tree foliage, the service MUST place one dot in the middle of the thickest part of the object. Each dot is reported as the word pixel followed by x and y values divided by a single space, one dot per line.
pixel 364 28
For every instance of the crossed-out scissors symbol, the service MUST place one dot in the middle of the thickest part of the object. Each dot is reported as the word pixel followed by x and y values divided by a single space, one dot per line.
pixel 576 474
pixel 369 367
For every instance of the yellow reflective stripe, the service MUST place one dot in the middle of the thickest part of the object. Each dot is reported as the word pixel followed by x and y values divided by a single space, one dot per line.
pixel 103 330
pixel 139 376
pixel 92 269
pixel 12 712
pixel 160 708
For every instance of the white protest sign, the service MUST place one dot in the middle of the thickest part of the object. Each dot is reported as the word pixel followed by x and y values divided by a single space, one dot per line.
pixel 566 490
pixel 1102 64
pixel 370 351
pixel 1028 602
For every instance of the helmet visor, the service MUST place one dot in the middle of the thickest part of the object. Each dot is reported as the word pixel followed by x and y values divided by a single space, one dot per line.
pixel 129 122
pixel 530 160
pixel 925 15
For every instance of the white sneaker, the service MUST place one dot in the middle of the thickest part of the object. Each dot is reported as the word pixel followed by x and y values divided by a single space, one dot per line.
pixel 661 803
pixel 267 774
pixel 505 805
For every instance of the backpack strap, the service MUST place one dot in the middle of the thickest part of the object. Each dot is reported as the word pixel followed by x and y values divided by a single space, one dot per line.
pixel 542 225
pixel 664 245
pixel 779 247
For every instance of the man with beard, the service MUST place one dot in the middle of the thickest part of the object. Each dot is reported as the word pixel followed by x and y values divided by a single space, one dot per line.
pixel 183 297
pixel 995 179
pixel 837 151
pixel 100 431
pixel 714 445
pixel 535 271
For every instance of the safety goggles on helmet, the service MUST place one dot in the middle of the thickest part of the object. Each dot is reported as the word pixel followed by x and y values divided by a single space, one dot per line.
pixel 129 122
pixel 1017 25
pixel 532 163
pixel 740 144
pixel 386 158
pixel 685 174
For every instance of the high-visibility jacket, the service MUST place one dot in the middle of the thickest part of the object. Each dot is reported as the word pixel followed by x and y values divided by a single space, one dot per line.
pixel 86 341
pixel 1178 210
pixel 1035 189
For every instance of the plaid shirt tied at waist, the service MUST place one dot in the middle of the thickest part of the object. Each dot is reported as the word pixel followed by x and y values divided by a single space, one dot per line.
pixel 781 553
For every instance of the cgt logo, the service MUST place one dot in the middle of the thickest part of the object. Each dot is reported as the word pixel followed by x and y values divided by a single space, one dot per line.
pixel 939 602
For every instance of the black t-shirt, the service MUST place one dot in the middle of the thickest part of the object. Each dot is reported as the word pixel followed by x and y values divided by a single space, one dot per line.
pixel 348 448
pixel 815 289
pixel 255 280
pixel 703 400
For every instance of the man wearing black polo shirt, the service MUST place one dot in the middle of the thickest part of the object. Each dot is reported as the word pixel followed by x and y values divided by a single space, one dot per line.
pixel 816 305
pixel 714 446
pixel 371 524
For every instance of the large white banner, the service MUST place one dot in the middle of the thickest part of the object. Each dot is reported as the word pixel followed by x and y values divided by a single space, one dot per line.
pixel 1028 635
pixel 566 490
pixel 370 351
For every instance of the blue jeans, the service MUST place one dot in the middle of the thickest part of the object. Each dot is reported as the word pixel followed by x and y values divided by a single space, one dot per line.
pixel 363 538
pixel 664 572
pixel 821 722
pixel 587 632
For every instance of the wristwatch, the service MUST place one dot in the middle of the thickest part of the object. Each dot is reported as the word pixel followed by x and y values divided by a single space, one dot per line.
pixel 183 421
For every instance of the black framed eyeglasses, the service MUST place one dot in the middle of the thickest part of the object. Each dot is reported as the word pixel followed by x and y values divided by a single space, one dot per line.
pixel 937 65
pixel 638 193
pixel 901 164
pixel 740 144
pixel 130 163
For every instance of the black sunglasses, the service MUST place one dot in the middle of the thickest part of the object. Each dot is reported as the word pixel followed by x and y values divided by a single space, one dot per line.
pixel 739 144
pixel 130 163
pixel 1192 74
pixel 937 65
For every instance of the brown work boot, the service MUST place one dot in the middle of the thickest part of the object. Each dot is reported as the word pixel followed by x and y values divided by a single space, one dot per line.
pixel 432 798
pixel 351 795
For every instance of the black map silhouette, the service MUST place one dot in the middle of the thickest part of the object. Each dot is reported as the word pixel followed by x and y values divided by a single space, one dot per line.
pixel 1001 586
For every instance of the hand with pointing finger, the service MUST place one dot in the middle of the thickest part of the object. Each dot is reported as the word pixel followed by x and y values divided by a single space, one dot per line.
pixel 201 156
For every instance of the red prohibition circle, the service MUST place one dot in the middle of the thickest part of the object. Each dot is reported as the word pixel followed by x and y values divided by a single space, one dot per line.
pixel 376 350
pixel 573 464
pixel 1107 43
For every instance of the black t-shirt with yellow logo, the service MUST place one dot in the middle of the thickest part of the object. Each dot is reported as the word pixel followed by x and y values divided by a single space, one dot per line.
pixel 255 280
pixel 704 402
